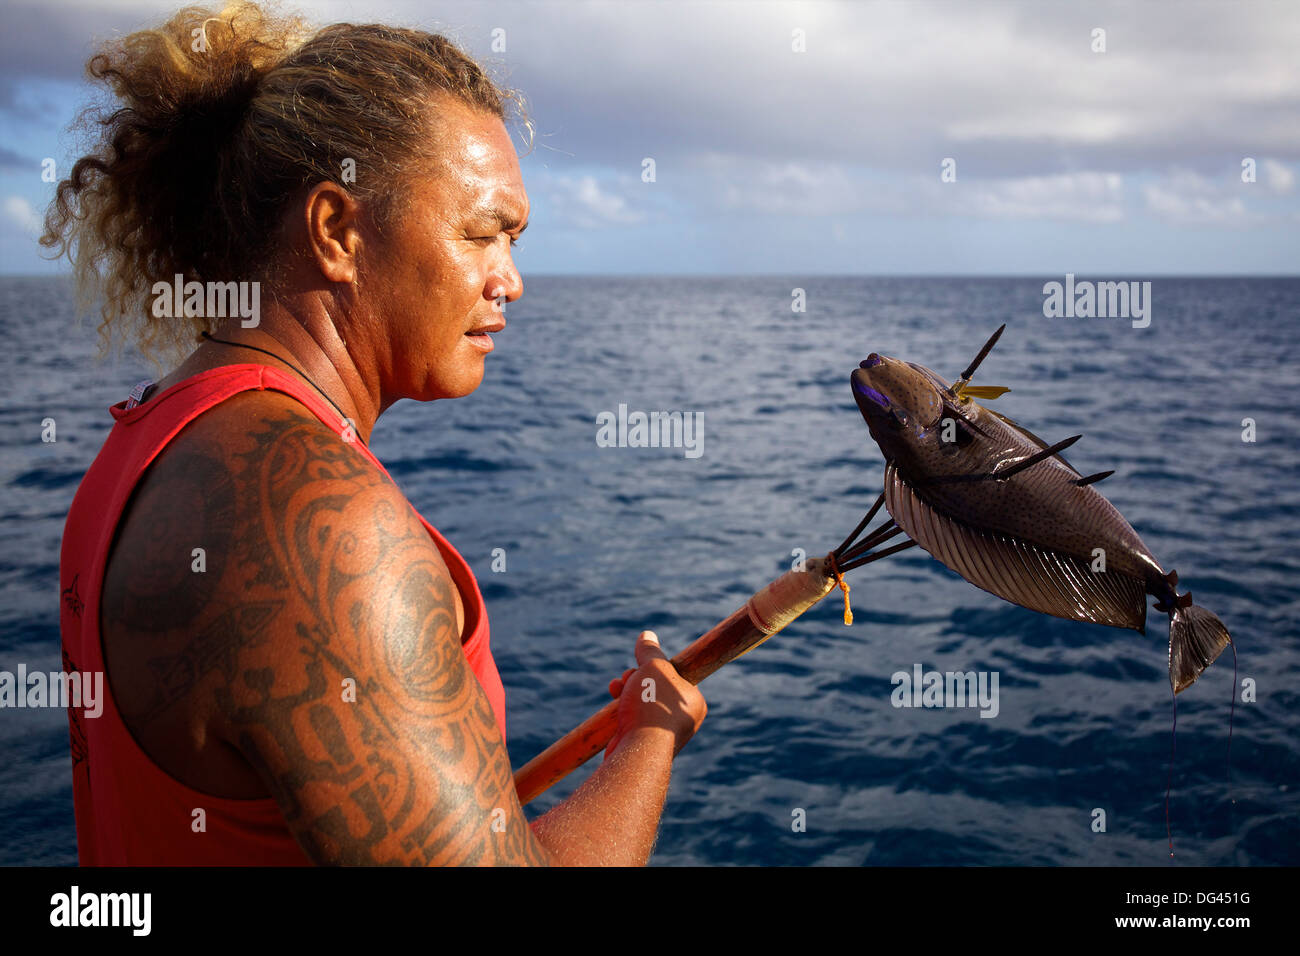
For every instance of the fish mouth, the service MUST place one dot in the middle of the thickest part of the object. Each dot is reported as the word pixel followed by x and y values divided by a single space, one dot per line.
pixel 874 404
pixel 866 392
pixel 894 394
pixel 871 390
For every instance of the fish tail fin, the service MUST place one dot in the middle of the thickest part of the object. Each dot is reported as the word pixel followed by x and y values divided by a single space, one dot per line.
pixel 1196 638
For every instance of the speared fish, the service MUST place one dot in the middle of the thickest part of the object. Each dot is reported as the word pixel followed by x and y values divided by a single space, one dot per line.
pixel 1004 509
pixel 986 497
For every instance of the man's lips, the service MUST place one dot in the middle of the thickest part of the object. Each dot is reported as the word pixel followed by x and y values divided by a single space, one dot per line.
pixel 481 338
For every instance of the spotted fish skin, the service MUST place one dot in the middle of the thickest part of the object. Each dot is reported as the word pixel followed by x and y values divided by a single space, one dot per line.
pixel 1031 537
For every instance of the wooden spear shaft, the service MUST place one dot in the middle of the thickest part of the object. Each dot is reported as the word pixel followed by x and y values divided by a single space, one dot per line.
pixel 769 610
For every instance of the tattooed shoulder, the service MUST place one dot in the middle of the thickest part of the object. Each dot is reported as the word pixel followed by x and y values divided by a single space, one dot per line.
pixel 321 642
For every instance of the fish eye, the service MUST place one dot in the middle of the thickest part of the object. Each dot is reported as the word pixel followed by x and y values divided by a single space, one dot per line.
pixel 962 433
pixel 933 379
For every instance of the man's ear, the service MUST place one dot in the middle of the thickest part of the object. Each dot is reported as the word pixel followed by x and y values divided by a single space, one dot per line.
pixel 333 220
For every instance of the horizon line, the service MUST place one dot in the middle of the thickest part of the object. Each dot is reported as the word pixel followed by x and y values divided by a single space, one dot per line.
pixel 1143 276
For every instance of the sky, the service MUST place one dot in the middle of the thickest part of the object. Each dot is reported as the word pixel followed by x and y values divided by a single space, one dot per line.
pixel 813 137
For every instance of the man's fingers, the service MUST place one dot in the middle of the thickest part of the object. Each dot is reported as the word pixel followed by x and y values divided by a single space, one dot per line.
pixel 676 706
pixel 616 685
pixel 648 649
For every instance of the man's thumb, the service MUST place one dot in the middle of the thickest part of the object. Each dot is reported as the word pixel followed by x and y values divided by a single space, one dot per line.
pixel 648 649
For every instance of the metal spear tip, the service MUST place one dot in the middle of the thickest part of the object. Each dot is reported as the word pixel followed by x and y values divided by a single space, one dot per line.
pixel 983 353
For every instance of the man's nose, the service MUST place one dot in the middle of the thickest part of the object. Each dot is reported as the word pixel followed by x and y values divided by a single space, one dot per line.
pixel 506 282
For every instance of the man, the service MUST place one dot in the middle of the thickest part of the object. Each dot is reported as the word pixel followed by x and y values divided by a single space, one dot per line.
pixel 297 661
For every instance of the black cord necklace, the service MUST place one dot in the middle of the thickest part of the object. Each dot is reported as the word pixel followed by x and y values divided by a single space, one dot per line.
pixel 240 345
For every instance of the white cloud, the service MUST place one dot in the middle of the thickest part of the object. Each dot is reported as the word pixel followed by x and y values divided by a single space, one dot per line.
pixel 1080 197
pixel 830 189
pixel 1279 177
pixel 1188 199
pixel 782 188
pixel 581 201
pixel 20 212
pixel 1080 126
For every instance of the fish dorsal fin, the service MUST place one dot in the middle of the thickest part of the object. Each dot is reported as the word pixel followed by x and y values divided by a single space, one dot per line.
pixel 1015 570
pixel 1032 437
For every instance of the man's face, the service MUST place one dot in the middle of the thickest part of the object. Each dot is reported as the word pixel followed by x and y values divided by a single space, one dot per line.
pixel 446 260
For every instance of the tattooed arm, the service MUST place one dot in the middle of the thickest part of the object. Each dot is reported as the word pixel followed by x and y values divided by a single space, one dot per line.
pixel 359 711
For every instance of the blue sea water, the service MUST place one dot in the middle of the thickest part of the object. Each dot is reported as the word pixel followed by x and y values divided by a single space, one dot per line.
pixel 602 542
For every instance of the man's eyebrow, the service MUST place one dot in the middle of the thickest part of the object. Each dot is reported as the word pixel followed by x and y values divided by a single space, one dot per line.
pixel 505 220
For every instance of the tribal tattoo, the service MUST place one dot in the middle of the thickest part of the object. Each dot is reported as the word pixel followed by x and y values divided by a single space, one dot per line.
pixel 321 642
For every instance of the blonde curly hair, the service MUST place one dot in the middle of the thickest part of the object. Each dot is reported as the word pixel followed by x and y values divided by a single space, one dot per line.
pixel 223 118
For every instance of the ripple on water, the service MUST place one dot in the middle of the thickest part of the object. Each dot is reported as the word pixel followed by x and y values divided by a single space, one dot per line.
pixel 601 543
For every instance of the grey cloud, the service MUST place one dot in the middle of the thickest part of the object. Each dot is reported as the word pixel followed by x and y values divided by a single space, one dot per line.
pixel 53 41
pixel 1011 90
pixel 11 160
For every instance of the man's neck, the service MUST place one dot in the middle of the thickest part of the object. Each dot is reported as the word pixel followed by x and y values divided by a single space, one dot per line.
pixel 305 343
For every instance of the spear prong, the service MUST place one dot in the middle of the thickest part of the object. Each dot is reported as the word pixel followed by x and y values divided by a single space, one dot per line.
pixel 983 354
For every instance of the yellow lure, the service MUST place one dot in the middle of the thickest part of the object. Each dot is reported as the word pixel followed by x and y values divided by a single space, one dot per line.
pixel 987 392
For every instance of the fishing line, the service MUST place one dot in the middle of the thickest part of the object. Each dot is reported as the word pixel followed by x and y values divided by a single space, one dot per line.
pixel 1169 784
pixel 1232 708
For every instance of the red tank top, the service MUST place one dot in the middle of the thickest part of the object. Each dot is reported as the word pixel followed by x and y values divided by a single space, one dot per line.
pixel 128 810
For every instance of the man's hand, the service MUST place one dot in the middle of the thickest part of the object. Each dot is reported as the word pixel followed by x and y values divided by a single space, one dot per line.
pixel 613 817
pixel 654 697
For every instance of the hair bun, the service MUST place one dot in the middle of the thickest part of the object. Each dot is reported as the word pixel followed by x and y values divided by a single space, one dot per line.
pixel 197 62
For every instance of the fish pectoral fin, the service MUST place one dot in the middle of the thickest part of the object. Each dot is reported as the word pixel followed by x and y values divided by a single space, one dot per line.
pixel 1015 570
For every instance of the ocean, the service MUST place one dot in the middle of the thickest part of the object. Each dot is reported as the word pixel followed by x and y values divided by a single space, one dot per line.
pixel 803 759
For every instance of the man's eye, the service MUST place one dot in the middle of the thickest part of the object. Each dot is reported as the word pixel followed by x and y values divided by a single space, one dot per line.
pixel 513 241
